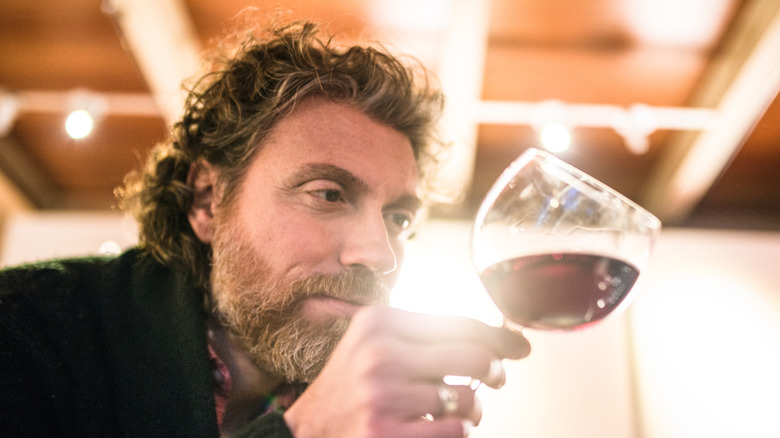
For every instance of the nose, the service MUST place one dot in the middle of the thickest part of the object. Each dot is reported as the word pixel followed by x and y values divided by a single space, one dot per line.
pixel 368 245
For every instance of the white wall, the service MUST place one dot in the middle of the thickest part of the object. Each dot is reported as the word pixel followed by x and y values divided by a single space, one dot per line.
pixel 706 333
pixel 31 236
pixel 697 355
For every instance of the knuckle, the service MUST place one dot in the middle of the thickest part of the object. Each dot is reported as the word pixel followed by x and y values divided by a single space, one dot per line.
pixel 377 359
pixel 479 360
pixel 377 426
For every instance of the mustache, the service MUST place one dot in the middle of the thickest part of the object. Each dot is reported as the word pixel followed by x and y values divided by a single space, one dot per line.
pixel 360 287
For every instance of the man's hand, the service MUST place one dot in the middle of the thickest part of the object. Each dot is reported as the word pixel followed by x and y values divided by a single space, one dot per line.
pixel 384 378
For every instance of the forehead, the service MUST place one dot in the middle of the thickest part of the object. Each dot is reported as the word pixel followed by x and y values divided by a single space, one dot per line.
pixel 321 131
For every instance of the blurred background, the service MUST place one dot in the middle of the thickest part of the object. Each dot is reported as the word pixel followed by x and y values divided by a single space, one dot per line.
pixel 671 102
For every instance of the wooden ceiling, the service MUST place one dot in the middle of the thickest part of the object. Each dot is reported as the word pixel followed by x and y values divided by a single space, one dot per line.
pixel 582 57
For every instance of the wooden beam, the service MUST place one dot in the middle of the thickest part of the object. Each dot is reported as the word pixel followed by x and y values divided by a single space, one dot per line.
pixel 25 184
pixel 741 82
pixel 461 69
pixel 12 200
pixel 161 38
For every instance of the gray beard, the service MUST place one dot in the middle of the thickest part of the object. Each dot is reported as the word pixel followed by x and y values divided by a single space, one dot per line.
pixel 265 313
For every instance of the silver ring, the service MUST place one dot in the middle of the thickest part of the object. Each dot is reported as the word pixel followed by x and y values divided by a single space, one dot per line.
pixel 448 396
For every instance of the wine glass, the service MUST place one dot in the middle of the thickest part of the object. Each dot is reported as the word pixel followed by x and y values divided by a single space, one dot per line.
pixel 555 248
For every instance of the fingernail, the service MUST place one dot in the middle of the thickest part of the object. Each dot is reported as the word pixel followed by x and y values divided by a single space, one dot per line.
pixel 467 426
pixel 523 348
pixel 496 374
pixel 515 345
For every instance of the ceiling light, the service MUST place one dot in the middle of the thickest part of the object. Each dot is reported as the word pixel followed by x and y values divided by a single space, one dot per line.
pixel 634 124
pixel 79 124
pixel 86 109
pixel 555 137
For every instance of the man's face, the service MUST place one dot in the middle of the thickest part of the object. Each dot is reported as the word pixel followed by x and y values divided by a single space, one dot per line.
pixel 315 231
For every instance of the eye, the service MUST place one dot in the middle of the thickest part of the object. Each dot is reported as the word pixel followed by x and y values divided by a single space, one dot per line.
pixel 330 195
pixel 399 224
pixel 401 220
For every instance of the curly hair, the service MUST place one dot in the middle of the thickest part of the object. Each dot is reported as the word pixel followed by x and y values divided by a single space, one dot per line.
pixel 232 108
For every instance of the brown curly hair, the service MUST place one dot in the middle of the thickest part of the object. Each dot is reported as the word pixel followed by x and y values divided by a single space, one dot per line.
pixel 231 109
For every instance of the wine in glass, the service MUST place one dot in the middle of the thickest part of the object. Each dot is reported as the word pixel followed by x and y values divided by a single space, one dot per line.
pixel 557 249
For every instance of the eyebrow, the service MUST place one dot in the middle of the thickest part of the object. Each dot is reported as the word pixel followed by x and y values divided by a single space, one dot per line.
pixel 312 171
pixel 407 202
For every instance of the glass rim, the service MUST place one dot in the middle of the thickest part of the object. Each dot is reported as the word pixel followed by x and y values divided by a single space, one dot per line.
pixel 532 153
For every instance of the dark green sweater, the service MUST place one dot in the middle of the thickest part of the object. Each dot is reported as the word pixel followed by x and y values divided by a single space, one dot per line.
pixel 107 347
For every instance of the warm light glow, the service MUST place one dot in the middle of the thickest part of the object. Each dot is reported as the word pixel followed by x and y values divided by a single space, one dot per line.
pixel 561 374
pixel 78 124
pixel 556 137
pixel 706 329
pixel 694 23
pixel 438 276
pixel 109 247
pixel 429 15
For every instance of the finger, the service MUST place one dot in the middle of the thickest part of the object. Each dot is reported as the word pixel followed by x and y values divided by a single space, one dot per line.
pixel 433 362
pixel 456 401
pixel 427 328
pixel 496 375
pixel 448 427
pixel 416 400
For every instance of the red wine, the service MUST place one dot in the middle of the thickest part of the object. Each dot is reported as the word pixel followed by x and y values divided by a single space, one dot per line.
pixel 561 291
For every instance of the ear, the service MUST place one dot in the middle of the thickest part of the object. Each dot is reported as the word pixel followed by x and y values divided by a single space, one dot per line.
pixel 203 180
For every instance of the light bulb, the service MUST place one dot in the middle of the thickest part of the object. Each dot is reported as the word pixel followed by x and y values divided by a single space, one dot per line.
pixel 78 124
pixel 556 137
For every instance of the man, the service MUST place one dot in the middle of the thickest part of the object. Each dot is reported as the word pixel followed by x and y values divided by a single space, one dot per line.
pixel 272 228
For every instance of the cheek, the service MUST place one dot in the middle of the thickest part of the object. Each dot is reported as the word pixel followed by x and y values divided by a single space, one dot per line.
pixel 290 241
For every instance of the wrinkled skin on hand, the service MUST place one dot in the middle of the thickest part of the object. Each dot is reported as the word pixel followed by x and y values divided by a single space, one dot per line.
pixel 382 377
